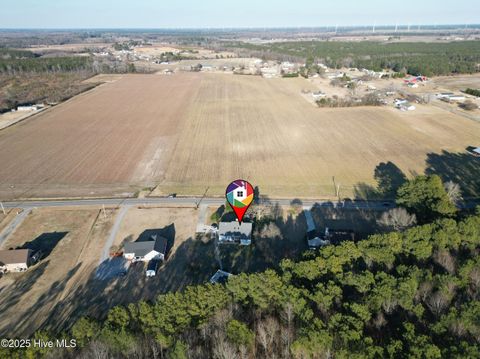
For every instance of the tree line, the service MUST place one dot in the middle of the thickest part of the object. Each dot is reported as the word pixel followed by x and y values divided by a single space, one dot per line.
pixel 411 293
pixel 415 58
pixel 45 64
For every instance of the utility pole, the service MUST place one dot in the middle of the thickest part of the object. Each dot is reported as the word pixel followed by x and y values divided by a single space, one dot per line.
pixel 3 209
pixel 334 185
pixel 201 199
pixel 104 214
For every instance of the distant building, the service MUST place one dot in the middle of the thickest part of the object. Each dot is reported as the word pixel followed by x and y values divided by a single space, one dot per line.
pixel 318 95
pixel 29 108
pixel 405 106
pixel 288 67
pixel 444 94
pixel 450 96
pixel 269 72
pixel 15 260
pixel 234 232
pixel 145 251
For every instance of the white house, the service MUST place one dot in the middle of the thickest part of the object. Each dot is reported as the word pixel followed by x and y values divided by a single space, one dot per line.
pixel 155 248
pixel 444 94
pixel 15 260
pixel 29 108
pixel 450 96
pixel 235 232
pixel 318 95
pixel 405 106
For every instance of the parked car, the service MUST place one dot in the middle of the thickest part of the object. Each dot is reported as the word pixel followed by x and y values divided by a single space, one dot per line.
pixel 152 268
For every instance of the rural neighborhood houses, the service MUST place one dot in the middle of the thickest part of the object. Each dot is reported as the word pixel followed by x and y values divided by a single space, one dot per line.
pixel 235 232
pixel 15 260
pixel 155 248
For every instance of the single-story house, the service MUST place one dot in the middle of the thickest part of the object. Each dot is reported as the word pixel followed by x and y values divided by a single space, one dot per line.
pixel 145 251
pixel 450 96
pixel 318 95
pixel 235 232
pixel 444 94
pixel 15 260
pixel 407 106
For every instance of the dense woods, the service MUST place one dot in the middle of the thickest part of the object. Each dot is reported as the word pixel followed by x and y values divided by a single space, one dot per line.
pixel 416 58
pixel 26 77
pixel 413 293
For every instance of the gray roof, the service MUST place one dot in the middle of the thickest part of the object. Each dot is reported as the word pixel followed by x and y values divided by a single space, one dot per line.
pixel 235 228
pixel 14 256
pixel 140 249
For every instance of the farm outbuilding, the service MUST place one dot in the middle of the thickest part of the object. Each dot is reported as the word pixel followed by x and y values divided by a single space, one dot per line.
pixel 15 260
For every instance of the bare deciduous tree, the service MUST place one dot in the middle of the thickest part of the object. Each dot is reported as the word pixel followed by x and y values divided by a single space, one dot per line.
pixel 437 302
pixel 446 260
pixel 398 219
pixel 267 331
pixel 453 191
pixel 222 349
pixel 98 350
pixel 379 321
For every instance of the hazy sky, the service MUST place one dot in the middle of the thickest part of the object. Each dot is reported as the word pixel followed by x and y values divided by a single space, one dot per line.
pixel 239 13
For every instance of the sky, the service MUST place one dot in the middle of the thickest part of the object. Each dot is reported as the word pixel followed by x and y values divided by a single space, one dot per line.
pixel 238 14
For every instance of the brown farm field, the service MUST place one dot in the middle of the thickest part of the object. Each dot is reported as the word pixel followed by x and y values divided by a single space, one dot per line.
pixel 186 132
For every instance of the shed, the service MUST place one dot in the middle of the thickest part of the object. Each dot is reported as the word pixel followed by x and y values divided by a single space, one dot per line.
pixel 15 260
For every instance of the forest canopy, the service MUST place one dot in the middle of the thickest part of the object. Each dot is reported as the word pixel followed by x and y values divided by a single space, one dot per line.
pixel 410 294
pixel 415 58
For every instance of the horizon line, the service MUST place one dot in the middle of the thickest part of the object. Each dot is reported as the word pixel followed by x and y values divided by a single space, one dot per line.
pixel 392 25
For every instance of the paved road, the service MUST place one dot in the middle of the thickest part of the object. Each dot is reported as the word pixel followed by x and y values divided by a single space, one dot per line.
pixel 193 201
pixel 8 230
